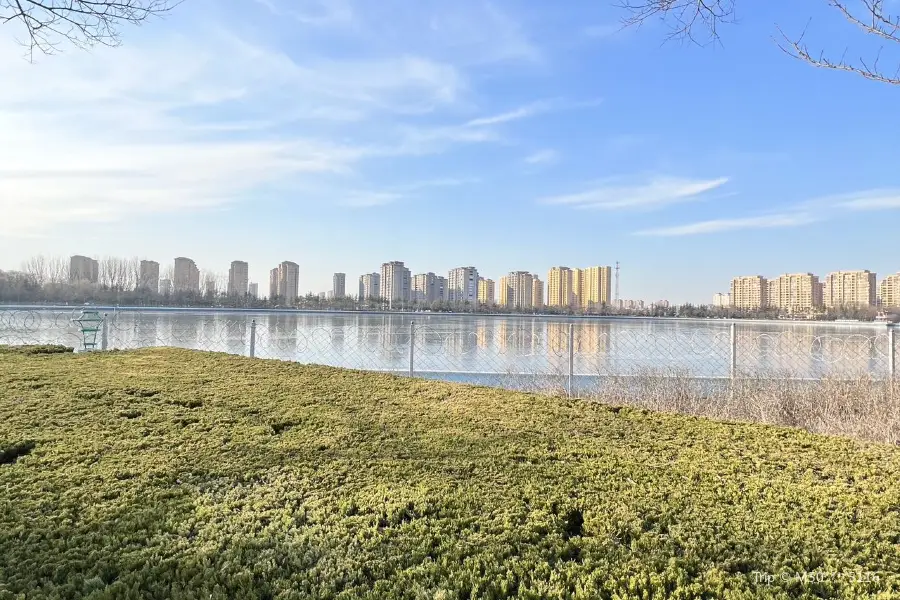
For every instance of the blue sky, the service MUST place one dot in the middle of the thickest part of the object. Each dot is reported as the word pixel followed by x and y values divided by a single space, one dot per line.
pixel 509 135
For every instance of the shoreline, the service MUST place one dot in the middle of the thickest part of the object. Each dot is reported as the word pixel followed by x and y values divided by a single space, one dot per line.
pixel 544 317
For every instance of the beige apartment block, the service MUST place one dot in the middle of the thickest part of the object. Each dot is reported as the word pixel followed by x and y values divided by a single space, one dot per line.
pixel 149 275
pixel 505 294
pixel 520 290
pixel 596 287
pixel 889 291
pixel 83 269
pixel 750 292
pixel 462 285
pixel 187 275
pixel 486 291
pixel 396 282
pixel 849 288
pixel 424 288
pixel 369 286
pixel 577 287
pixel 559 287
pixel 338 285
pixel 796 293
pixel 537 293
pixel 238 278
pixel 284 282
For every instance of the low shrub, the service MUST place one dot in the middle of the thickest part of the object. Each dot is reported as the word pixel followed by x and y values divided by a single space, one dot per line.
pixel 263 479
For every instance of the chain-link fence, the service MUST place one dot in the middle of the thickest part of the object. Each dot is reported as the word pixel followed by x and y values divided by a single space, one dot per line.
pixel 572 356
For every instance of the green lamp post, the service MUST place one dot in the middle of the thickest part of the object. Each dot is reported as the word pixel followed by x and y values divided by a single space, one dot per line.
pixel 90 322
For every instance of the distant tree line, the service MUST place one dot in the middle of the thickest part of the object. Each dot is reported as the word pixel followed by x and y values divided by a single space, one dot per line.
pixel 44 280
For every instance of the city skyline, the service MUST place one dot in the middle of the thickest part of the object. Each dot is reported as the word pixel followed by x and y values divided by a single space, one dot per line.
pixel 582 287
pixel 505 121
pixel 807 292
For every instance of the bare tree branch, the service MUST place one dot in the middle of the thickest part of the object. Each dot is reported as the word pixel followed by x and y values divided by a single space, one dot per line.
pixel 694 20
pixel 83 23
pixel 685 17
pixel 874 21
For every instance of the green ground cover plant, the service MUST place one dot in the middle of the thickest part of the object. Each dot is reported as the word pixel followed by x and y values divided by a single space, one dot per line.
pixel 166 473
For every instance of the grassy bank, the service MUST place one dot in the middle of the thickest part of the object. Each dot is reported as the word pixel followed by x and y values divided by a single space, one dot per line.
pixel 177 474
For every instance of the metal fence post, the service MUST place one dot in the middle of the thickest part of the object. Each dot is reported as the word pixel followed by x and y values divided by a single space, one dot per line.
pixel 104 335
pixel 570 387
pixel 892 353
pixel 253 338
pixel 732 362
pixel 412 346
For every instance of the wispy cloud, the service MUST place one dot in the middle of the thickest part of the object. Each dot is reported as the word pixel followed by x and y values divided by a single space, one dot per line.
pixel 532 110
pixel 817 210
pixel 543 157
pixel 406 191
pixel 182 123
pixel 369 199
pixel 657 193
pixel 885 199
pixel 312 12
pixel 773 221
pixel 478 32
pixel 513 115
pixel 443 182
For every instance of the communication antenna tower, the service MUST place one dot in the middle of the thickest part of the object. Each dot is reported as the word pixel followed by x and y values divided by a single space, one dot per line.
pixel 617 283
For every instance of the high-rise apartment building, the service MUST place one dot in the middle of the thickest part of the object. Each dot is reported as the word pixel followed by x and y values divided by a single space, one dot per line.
pixel 577 287
pixel 771 294
pixel 520 290
pixel 584 288
pixel 505 292
pixel 273 284
pixel 238 278
pixel 284 282
pixel 795 292
pixel 339 285
pixel 537 292
pixel 849 289
pixel 559 287
pixel 187 276
pixel 253 291
pixel 889 291
pixel 425 288
pixel 83 269
pixel 462 285
pixel 750 292
pixel 421 283
pixel 396 282
pixel 595 287
pixel 148 278
pixel 370 286
pixel 486 291
pixel 441 288
pixel 721 300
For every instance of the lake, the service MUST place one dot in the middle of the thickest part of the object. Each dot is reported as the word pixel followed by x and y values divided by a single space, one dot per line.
pixel 479 347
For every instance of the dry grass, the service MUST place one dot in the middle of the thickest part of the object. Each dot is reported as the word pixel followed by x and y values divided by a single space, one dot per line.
pixel 864 408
